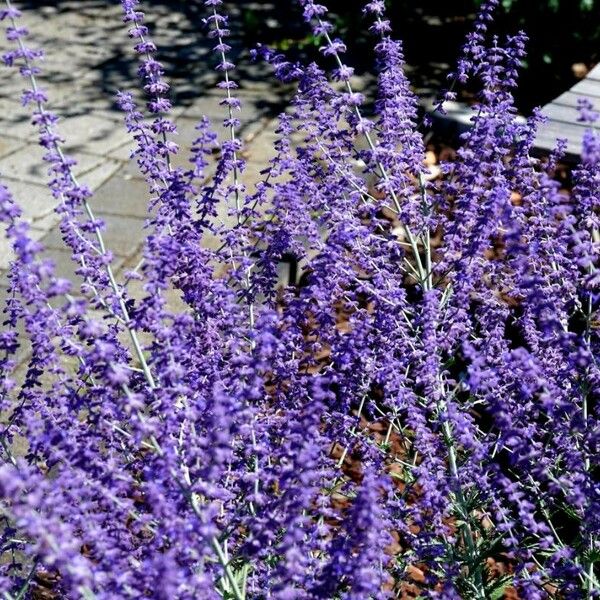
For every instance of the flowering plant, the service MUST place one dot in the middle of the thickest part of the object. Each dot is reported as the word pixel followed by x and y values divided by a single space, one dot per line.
pixel 417 415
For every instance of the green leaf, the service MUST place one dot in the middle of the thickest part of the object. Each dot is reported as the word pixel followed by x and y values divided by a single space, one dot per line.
pixel 570 512
pixel 498 594
pixel 497 588
pixel 592 556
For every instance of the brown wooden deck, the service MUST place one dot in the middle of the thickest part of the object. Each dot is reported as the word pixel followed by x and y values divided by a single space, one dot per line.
pixel 562 115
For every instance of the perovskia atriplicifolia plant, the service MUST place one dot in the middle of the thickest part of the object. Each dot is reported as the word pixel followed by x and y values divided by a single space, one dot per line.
pixel 418 416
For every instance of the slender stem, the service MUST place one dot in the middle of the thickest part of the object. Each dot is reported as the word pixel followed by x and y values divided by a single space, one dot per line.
pixel 591 578
pixel 246 284
pixel 352 431
pixel 589 567
pixel 467 531
pixel 234 156
pixel 21 593
pixel 98 234
pixel 384 174
pixel 218 550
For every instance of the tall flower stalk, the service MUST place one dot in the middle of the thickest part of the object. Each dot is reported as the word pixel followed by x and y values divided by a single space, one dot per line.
pixel 416 414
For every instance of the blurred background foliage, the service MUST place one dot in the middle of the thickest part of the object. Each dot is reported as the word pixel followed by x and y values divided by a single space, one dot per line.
pixel 564 37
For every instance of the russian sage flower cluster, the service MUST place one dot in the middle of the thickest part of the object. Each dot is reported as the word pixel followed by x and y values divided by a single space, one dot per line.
pixel 417 416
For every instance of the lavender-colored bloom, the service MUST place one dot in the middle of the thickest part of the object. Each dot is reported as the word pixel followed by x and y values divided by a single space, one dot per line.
pixel 419 407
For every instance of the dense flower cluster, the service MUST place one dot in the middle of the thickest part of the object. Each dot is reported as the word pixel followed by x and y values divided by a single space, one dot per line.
pixel 417 415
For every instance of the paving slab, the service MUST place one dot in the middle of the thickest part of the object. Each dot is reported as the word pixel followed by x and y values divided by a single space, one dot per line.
pixel 6 253
pixel 46 223
pixel 261 149
pixel 122 195
pixel 122 235
pixel 35 200
pixel 65 267
pixel 100 173
pixel 92 134
pixel 9 145
pixel 14 119
pixel 27 164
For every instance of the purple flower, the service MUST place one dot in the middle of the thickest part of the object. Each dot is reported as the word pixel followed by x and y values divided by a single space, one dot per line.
pixel 419 404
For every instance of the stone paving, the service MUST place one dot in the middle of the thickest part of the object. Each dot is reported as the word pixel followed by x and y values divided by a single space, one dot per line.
pixel 89 58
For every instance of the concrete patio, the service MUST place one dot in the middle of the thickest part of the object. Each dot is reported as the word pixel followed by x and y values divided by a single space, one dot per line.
pixel 89 57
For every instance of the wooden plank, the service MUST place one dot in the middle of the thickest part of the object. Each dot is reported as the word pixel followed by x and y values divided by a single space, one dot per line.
pixel 549 132
pixel 571 99
pixel 594 73
pixel 565 114
pixel 548 143
pixel 561 113
pixel 570 130
pixel 587 87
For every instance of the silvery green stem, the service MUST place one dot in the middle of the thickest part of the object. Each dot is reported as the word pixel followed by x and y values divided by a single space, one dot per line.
pixel 21 593
pixel 467 531
pixel 98 234
pixel 411 239
pixel 591 581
